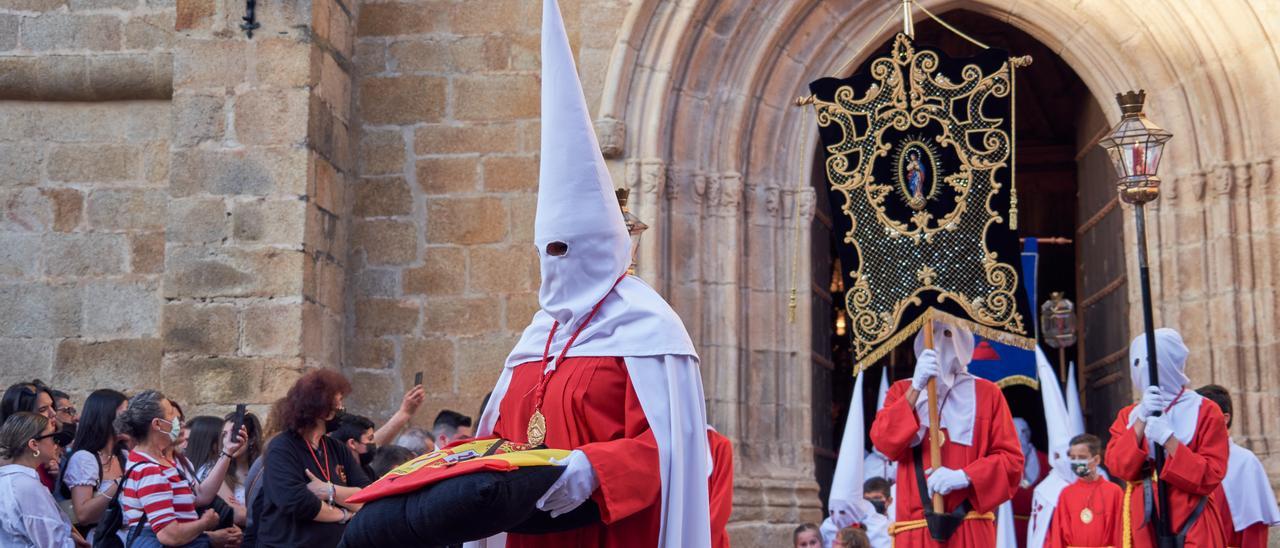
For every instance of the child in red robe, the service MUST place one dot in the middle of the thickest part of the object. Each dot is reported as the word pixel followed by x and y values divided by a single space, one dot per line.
pixel 1088 511
pixel 981 459
pixel 1194 435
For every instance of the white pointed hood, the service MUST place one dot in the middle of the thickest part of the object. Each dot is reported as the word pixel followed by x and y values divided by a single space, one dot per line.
pixel 1045 496
pixel 576 200
pixel 1074 412
pixel 1171 359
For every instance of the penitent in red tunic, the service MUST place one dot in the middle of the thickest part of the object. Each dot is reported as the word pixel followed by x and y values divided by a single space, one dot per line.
pixel 1193 472
pixel 720 487
pixel 1023 498
pixel 1098 500
pixel 591 405
pixel 993 462
pixel 1253 536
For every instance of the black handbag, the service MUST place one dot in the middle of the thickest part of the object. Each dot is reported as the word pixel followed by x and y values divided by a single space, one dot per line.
pixel 112 521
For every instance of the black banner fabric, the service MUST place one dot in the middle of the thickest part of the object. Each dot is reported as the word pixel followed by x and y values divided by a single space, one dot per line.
pixel 919 160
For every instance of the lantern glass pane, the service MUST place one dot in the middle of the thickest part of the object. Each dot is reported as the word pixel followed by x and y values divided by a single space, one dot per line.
pixel 1154 151
pixel 1121 168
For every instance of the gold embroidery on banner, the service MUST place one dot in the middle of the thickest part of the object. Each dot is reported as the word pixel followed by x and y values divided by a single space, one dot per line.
pixel 909 94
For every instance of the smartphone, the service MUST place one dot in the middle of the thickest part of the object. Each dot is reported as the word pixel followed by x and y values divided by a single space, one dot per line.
pixel 239 420
pixel 417 379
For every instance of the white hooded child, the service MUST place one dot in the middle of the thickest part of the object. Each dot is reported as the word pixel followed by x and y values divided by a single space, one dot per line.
pixel 605 368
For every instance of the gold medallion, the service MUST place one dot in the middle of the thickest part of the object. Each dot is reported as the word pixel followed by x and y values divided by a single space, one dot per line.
pixel 1086 516
pixel 537 428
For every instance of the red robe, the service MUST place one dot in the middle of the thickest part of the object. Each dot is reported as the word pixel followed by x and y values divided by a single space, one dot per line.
pixel 1104 500
pixel 720 487
pixel 591 405
pixel 993 463
pixel 1023 498
pixel 1253 536
pixel 1193 472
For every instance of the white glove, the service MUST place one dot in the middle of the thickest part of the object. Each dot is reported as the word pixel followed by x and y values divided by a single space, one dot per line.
pixel 926 368
pixel 848 512
pixel 1159 429
pixel 1153 401
pixel 574 487
pixel 946 480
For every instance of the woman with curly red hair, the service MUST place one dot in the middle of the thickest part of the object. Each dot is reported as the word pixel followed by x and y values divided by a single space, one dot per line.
pixel 288 511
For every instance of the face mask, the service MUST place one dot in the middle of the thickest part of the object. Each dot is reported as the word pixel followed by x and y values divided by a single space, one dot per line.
pixel 1080 467
pixel 880 506
pixel 70 430
pixel 175 429
pixel 367 456
pixel 333 424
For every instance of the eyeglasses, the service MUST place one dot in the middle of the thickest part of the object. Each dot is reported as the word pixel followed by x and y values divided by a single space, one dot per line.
pixel 69 410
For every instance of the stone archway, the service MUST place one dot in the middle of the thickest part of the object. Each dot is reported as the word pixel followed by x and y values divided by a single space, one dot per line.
pixel 697 115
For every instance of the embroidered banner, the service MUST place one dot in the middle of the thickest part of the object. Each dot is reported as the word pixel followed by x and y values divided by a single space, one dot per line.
pixel 919 154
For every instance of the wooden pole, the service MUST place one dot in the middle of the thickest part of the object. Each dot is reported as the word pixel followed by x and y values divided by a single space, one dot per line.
pixel 935 448
pixel 1062 364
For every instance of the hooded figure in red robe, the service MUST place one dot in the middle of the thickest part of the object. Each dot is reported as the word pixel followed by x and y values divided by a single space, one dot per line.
pixel 1035 467
pixel 1194 435
pixel 605 368
pixel 981 459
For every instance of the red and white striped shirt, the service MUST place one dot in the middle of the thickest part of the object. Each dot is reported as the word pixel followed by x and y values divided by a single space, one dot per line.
pixel 158 489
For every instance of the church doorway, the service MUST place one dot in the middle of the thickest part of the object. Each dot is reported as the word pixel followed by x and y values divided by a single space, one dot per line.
pixel 1066 200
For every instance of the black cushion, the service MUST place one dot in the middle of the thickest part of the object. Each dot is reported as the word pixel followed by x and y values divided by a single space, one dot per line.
pixel 465 508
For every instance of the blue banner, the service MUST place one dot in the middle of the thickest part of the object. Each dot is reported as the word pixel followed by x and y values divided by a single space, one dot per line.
pixel 1009 365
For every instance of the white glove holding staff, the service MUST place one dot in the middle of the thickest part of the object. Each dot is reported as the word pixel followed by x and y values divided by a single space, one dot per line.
pixel 926 368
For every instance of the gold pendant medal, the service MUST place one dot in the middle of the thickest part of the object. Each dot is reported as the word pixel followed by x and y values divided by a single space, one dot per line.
pixel 537 428
pixel 1086 516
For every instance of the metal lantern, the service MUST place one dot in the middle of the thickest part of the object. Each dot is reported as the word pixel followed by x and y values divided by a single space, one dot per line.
pixel 1058 319
pixel 1135 146
pixel 635 227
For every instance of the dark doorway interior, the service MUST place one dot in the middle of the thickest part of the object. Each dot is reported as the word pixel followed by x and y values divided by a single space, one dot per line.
pixel 1064 188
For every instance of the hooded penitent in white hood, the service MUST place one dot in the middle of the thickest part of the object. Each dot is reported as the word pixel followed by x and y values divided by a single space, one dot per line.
pixel 954 346
pixel 577 208
pixel 1031 466
pixel 1171 360
pixel 846 505
pixel 1044 498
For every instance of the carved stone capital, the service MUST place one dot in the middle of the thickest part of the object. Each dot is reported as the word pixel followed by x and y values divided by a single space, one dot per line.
pixel 730 197
pixel 612 134
pixel 808 198
pixel 772 200
pixel 1262 174
pixel 1242 177
pixel 653 176
pixel 700 182
pixel 1195 184
pixel 1222 179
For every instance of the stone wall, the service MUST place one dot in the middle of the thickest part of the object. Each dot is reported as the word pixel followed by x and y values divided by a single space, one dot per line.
pixel 444 275
pixel 83 189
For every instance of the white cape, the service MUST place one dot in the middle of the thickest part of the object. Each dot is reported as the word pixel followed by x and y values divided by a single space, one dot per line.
pixel 1249 495
pixel 664 371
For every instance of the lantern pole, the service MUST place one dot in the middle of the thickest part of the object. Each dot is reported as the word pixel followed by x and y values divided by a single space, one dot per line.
pixel 1130 145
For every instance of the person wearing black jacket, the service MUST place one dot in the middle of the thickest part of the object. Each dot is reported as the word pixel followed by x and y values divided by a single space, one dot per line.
pixel 306 476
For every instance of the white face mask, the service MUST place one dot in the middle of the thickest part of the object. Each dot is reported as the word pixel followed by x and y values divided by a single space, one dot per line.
pixel 175 429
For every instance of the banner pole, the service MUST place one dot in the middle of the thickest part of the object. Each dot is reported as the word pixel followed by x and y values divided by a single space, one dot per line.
pixel 935 448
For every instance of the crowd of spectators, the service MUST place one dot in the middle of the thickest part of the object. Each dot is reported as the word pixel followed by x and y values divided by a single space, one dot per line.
pixel 131 470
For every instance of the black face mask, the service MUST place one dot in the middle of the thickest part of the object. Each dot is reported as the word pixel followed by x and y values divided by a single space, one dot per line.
pixel 69 430
pixel 333 424
pixel 880 506
pixel 367 456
